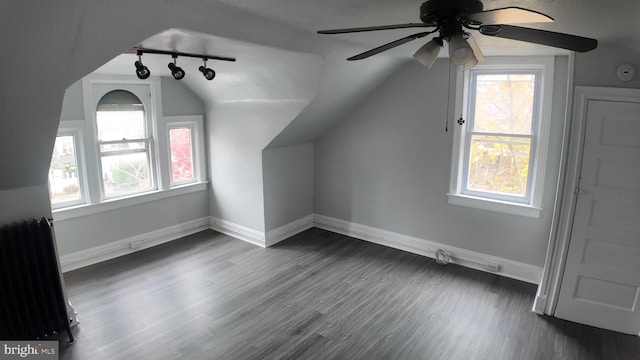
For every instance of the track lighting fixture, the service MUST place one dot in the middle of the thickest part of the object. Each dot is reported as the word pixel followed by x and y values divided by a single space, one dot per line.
pixel 208 73
pixel 176 71
pixel 141 71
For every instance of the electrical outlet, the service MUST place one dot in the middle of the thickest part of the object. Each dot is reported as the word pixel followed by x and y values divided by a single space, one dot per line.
pixel 135 245
pixel 492 267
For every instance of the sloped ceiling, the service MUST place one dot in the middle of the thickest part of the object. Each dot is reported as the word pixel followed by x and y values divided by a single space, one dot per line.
pixel 342 83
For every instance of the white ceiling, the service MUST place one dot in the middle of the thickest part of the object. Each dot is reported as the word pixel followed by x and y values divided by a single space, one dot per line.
pixel 613 21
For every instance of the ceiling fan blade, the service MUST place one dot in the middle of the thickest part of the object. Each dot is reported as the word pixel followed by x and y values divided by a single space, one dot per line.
pixel 389 46
pixel 374 28
pixel 508 15
pixel 543 37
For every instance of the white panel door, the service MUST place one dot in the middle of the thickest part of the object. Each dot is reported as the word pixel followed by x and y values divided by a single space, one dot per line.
pixel 601 283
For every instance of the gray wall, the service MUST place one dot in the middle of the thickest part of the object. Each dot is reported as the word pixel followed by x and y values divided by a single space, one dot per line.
pixel 178 99
pixel 288 184
pixel 243 120
pixel 103 228
pixel 72 104
pixel 598 67
pixel 24 203
pixel 93 230
pixel 387 165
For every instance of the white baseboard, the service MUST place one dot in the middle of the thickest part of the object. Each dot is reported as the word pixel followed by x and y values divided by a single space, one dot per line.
pixel 467 258
pixel 126 246
pixel 237 231
pixel 286 231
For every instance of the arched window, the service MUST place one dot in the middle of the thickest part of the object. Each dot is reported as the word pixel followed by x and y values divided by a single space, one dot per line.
pixel 124 145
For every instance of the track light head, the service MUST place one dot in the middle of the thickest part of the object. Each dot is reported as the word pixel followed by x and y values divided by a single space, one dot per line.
pixel 208 73
pixel 142 71
pixel 176 71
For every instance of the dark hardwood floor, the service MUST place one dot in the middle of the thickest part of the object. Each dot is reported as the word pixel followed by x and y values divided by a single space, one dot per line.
pixel 318 295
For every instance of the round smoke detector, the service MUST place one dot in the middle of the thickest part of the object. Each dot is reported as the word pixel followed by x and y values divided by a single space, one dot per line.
pixel 626 72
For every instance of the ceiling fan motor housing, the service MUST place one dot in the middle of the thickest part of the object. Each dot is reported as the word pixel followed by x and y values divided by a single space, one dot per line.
pixel 432 10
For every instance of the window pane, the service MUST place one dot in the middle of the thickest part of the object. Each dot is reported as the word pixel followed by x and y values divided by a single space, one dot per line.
pixel 118 125
pixel 504 103
pixel 128 173
pixel 64 185
pixel 181 154
pixel 499 164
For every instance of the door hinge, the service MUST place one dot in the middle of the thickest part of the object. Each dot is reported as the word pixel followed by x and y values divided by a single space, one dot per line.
pixel 578 191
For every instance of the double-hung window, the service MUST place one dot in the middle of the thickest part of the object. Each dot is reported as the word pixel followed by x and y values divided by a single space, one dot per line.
pixel 500 147
pixel 124 145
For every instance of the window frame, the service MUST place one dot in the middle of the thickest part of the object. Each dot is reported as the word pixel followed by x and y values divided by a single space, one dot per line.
pixel 530 205
pixel 144 91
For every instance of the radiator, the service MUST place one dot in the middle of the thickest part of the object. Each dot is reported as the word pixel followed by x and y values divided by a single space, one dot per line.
pixel 32 299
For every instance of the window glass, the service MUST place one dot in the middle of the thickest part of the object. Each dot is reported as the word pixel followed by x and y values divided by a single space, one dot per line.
pixel 120 115
pixel 181 149
pixel 499 142
pixel 504 103
pixel 499 164
pixel 64 183
pixel 118 125
pixel 125 173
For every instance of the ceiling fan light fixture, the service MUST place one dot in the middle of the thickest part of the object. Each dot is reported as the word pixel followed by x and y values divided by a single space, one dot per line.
pixel 460 52
pixel 428 53
pixel 471 63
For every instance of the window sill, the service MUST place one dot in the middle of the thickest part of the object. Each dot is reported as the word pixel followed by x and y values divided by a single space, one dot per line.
pixel 73 212
pixel 495 205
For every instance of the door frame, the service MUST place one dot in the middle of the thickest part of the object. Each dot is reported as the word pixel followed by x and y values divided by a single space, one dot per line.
pixel 566 194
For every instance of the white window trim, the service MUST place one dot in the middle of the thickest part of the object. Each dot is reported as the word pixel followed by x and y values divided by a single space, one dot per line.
pixel 88 154
pixel 533 207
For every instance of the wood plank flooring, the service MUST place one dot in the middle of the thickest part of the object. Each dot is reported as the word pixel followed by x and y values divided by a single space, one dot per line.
pixel 318 295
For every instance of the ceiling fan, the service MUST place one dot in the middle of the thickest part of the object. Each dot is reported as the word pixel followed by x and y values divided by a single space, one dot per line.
pixel 451 19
